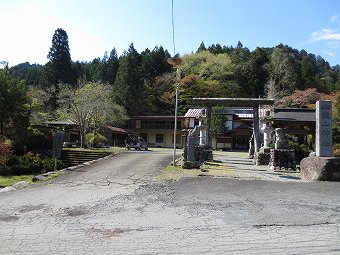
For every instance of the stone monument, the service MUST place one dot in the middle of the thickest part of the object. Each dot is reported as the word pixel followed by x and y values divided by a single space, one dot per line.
pixel 196 149
pixel 281 141
pixel 282 156
pixel 323 137
pixel 322 166
pixel 263 156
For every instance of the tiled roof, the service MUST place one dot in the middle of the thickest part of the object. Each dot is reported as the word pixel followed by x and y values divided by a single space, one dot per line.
pixel 294 115
pixel 193 113
pixel 121 130
pixel 60 123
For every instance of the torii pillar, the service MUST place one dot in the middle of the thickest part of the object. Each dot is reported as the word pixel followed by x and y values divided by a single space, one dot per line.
pixel 256 129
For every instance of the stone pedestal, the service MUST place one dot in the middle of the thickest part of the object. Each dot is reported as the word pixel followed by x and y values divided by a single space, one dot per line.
pixel 320 169
pixel 282 159
pixel 262 158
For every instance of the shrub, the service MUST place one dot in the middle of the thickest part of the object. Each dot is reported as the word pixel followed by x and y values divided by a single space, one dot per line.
pixel 5 150
pixel 95 140
pixel 336 150
pixel 301 151
pixel 36 140
pixel 48 164
pixel 26 164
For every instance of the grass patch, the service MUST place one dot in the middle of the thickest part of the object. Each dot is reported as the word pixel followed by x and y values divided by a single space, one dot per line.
pixel 175 173
pixel 51 176
pixel 214 168
pixel 13 179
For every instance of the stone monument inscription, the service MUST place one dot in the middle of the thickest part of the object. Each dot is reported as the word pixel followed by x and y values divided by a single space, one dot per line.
pixel 323 141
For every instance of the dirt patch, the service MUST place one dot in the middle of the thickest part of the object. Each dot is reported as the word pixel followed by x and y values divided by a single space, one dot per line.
pixel 111 232
pixel 31 208
pixel 8 218
pixel 76 211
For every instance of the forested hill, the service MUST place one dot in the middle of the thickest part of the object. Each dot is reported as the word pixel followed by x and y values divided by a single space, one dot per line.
pixel 143 83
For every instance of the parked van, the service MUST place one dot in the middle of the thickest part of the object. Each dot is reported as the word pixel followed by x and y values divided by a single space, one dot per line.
pixel 136 142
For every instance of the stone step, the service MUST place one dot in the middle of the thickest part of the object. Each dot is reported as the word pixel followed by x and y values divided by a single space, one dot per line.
pixel 72 158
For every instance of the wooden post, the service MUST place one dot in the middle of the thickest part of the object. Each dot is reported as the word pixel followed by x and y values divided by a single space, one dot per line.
pixel 208 115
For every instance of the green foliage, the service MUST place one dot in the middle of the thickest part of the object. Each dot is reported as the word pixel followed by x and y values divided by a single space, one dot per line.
pixel 129 85
pixel 14 108
pixel 5 150
pixel 90 105
pixel 208 66
pixel 301 151
pixel 29 164
pixel 59 57
pixel 217 125
pixel 96 140
pixel 36 140
pixel 48 164
pixel 195 86
pixel 284 72
pixel 336 150
pixel 25 164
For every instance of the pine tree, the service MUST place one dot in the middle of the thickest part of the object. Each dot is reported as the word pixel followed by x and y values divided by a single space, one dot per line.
pixel 60 58
pixel 128 88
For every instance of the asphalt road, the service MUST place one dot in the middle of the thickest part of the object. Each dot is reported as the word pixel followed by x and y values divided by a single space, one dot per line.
pixel 119 206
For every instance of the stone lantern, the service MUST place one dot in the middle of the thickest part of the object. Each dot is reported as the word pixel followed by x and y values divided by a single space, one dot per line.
pixel 266 130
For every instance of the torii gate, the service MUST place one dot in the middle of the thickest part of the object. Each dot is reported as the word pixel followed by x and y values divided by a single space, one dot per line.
pixel 236 102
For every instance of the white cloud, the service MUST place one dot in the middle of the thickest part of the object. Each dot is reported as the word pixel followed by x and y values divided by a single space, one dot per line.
pixel 329 53
pixel 325 34
pixel 335 18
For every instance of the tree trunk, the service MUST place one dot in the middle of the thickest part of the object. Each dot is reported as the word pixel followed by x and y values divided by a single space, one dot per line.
pixel 83 143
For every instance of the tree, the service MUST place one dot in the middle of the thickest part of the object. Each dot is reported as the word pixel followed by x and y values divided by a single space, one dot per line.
pixel 217 125
pixel 308 70
pixel 129 89
pixel 90 106
pixel 257 73
pixel 284 70
pixel 201 48
pixel 14 108
pixel 208 66
pixel 110 68
pixel 303 98
pixel 60 59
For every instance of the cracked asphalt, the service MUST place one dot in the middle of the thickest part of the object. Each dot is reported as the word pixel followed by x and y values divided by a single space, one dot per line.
pixel 119 206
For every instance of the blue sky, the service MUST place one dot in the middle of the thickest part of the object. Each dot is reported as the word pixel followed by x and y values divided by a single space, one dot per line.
pixel 97 26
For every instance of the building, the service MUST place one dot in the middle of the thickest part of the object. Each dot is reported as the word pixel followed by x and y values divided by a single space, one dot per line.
pixel 116 136
pixel 238 123
pixel 158 131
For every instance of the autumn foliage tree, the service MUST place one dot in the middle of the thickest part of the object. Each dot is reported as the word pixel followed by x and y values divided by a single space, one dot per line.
pixel 303 98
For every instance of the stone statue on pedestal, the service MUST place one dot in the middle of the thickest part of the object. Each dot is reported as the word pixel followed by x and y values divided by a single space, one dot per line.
pixel 281 141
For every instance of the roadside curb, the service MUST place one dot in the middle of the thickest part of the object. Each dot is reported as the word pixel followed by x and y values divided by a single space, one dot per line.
pixel 24 184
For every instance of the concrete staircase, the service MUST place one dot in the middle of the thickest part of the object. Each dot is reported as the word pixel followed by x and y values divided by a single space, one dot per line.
pixel 77 157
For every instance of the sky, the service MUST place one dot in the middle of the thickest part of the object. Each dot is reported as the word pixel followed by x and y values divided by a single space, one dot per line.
pixel 93 27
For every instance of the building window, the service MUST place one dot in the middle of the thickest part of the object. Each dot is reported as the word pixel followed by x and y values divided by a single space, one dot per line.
pixel 144 124
pixel 159 138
